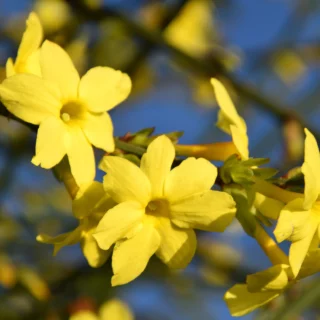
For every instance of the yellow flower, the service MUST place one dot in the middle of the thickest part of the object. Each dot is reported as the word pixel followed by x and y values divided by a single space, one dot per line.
pixel 71 112
pixel 299 220
pixel 264 286
pixel 114 309
pixel 53 14
pixel 89 206
pixel 158 209
pixel 193 30
pixel 229 120
pixel 28 53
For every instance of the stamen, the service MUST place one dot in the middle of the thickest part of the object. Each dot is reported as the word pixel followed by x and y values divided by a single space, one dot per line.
pixel 152 206
pixel 65 117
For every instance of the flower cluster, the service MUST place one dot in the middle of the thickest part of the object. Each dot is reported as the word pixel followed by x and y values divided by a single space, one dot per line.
pixel 137 212
pixel 152 206
pixel 297 219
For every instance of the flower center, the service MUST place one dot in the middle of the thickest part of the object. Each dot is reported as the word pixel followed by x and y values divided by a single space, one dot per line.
pixel 158 207
pixel 72 110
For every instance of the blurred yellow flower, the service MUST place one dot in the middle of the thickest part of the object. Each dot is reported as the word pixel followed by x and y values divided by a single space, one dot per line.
pixel 71 113
pixel 34 282
pixel 299 220
pixel 264 286
pixel 53 14
pixel 89 206
pixel 229 120
pixel 192 30
pixel 27 60
pixel 114 309
pixel 158 209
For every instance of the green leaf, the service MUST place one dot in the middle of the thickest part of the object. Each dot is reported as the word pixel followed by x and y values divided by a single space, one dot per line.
pixel 265 173
pixel 175 135
pixel 147 132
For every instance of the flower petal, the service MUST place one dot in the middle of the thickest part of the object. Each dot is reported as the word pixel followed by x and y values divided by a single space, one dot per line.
pixel 310 265
pixel 65 239
pixel 240 140
pixel 50 145
pixel 31 65
pixel 274 278
pixel 95 256
pixel 294 222
pixel 269 207
pixel 81 156
pixel 227 107
pixel 115 310
pixel 30 98
pixel 299 249
pixel 190 177
pixel 229 119
pixel 125 181
pixel 10 68
pixel 130 257
pixel 211 211
pixel 119 222
pixel 240 301
pixel 57 67
pixel 177 246
pixel 156 163
pixel 98 129
pixel 103 88
pixel 86 199
pixel 31 39
pixel 311 170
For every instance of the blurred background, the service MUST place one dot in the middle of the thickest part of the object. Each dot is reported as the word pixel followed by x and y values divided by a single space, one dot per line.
pixel 266 52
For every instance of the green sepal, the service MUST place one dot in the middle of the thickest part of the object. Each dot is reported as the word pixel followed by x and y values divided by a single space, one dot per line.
pixel 265 173
pixel 131 157
pixel 255 162
pixel 244 215
pixel 242 175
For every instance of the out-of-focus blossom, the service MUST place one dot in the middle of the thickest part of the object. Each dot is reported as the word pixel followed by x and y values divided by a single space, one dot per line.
pixel 114 309
pixel 192 30
pixel 34 283
pixel 294 139
pixel 8 271
pixel 78 52
pixel 289 66
pixel 53 14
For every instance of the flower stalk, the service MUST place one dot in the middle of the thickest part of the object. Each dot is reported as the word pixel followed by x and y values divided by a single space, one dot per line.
pixel 269 246
pixel 218 151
